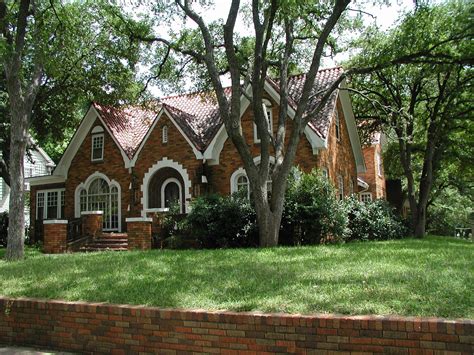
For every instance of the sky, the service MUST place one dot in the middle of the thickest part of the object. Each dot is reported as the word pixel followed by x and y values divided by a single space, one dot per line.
pixel 382 15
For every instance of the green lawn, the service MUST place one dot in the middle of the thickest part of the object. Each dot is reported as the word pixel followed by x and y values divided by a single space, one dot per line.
pixel 430 277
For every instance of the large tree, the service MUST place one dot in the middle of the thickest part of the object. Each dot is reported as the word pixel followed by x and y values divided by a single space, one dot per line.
pixel 54 57
pixel 286 35
pixel 425 107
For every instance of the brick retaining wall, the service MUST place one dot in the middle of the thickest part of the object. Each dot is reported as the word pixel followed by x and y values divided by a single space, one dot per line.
pixel 120 329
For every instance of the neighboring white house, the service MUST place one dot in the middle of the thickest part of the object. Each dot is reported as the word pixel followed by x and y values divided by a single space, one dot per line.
pixel 36 163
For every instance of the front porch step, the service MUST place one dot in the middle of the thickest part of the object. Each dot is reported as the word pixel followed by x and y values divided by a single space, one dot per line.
pixel 107 242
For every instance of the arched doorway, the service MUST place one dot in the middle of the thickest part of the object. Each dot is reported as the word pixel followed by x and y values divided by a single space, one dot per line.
pixel 165 188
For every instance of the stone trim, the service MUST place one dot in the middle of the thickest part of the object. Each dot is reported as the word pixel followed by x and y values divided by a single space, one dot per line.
pixel 86 213
pixel 55 221
pixel 138 219
pixel 105 328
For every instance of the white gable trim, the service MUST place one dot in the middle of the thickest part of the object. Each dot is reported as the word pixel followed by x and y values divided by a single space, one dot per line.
pixel 352 127
pixel 165 163
pixel 196 152
pixel 214 149
pixel 81 133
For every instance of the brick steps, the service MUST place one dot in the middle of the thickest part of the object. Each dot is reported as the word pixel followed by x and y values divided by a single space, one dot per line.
pixel 107 242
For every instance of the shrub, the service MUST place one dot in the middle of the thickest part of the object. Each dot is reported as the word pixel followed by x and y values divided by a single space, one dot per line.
pixel 312 214
pixel 373 220
pixel 3 229
pixel 222 222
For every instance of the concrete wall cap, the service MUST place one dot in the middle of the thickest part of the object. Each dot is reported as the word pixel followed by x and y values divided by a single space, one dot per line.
pixel 55 221
pixel 138 219
pixel 84 213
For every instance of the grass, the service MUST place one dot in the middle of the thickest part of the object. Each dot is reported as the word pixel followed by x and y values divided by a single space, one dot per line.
pixel 430 277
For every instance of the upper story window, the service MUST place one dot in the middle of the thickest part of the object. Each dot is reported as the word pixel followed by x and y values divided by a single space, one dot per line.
pixel 267 105
pixel 338 126
pixel 379 164
pixel 164 134
pixel 97 153
pixel 340 187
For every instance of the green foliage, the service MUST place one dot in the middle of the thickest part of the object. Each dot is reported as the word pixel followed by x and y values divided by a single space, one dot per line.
pixel 449 211
pixel 373 220
pixel 85 56
pixel 223 222
pixel 312 214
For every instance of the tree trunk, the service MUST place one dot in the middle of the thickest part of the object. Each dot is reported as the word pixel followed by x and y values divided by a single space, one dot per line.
pixel 16 225
pixel 420 222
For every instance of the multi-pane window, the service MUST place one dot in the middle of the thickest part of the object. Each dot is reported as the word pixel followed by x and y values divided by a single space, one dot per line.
pixel 366 197
pixel 100 197
pixel 98 147
pixel 243 184
pixel 50 204
pixel 165 134
pixel 340 187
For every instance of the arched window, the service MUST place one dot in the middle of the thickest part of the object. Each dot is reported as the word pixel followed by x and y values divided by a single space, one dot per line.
pixel 242 184
pixel 170 193
pixel 165 134
pixel 98 195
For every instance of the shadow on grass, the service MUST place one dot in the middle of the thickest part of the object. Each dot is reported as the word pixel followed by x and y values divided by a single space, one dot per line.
pixel 408 277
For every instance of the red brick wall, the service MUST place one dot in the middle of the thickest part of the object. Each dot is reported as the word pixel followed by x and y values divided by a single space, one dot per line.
pixel 101 328
pixel 177 149
pixel 375 181
pixel 55 237
pixel 139 235
pixel 112 166
pixel 338 158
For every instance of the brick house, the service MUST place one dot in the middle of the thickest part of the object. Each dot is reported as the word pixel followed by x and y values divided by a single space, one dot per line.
pixel 372 181
pixel 131 162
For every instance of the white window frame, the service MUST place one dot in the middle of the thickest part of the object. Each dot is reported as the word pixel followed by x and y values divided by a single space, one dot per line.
pixel 45 202
pixel 268 112
pixel 325 173
pixel 340 187
pixel 164 134
pixel 163 187
pixel 95 137
pixel 365 194
pixel 351 187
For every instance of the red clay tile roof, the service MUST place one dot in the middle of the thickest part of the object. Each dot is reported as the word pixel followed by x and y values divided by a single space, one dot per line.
pixel 324 79
pixel 197 114
pixel 128 125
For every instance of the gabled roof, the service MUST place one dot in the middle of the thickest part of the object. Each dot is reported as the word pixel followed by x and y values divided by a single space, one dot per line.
pixel 197 114
pixel 128 125
pixel 324 79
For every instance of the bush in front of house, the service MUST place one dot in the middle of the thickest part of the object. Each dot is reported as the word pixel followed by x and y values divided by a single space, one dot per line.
pixel 217 221
pixel 373 220
pixel 312 214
